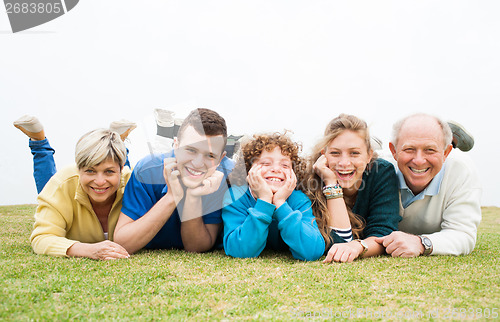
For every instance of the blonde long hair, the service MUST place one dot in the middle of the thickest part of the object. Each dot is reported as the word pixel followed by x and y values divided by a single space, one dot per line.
pixel 312 184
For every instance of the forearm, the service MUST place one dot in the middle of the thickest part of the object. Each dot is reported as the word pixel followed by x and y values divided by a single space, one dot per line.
pixel 51 245
pixel 135 234
pixel 79 250
pixel 298 232
pixel 459 226
pixel 339 218
pixel 374 248
pixel 246 230
pixel 383 210
pixel 104 250
pixel 49 233
pixel 195 235
pixel 449 242
pixel 348 252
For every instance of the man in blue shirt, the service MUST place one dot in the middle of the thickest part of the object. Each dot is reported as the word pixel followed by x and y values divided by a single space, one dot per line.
pixel 174 200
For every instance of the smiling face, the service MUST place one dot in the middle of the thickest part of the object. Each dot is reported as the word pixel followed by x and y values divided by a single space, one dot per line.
pixel 274 167
pixel 420 151
pixel 347 155
pixel 101 182
pixel 197 156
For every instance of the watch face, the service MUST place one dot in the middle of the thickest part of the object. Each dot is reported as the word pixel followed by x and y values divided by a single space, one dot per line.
pixel 427 242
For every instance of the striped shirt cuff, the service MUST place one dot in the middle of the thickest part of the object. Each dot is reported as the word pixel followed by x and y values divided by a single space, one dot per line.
pixel 345 234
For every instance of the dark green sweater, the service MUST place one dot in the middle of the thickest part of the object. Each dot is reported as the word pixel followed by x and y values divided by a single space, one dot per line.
pixel 377 201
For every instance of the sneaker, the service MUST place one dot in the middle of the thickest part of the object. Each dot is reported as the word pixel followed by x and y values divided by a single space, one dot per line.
pixel 164 123
pixel 164 118
pixel 122 127
pixel 462 139
pixel 232 145
pixel 30 126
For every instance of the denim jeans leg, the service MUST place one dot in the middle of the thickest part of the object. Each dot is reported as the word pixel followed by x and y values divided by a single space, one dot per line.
pixel 44 166
pixel 127 162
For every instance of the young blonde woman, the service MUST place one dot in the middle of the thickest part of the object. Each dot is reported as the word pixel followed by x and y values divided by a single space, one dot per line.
pixel 344 171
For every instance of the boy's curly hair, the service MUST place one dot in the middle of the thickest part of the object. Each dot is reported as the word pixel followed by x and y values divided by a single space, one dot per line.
pixel 251 150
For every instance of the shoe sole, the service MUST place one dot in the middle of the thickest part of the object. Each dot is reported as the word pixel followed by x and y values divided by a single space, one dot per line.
pixel 465 141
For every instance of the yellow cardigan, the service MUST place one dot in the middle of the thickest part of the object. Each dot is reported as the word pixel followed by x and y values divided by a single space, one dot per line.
pixel 65 216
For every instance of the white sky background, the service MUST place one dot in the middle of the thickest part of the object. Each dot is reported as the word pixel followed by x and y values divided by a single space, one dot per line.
pixel 263 65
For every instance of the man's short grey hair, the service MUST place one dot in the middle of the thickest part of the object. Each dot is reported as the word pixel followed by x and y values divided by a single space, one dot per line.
pixel 447 134
pixel 97 146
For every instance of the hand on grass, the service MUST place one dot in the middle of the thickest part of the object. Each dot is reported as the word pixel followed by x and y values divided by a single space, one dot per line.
pixel 344 252
pixel 260 189
pixel 400 244
pixel 104 250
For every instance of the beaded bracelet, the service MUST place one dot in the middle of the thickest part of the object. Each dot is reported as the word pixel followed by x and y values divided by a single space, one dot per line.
pixel 333 191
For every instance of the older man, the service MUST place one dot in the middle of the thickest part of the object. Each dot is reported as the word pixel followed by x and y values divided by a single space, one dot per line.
pixel 440 193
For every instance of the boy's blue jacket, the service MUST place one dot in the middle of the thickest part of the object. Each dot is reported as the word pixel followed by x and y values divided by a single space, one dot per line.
pixel 250 225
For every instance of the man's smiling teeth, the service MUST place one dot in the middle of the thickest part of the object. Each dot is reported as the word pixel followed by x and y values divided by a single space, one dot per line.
pixel 194 172
pixel 419 171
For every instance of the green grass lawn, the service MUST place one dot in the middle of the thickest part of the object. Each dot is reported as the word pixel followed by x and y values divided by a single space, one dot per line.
pixel 178 285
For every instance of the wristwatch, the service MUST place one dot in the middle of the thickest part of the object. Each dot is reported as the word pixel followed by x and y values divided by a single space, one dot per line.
pixel 365 247
pixel 427 245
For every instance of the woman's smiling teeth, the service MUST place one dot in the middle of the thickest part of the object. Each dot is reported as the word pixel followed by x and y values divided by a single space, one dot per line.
pixel 99 190
pixel 273 179
pixel 345 173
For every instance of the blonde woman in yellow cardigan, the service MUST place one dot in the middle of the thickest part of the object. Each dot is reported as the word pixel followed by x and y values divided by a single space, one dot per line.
pixel 79 206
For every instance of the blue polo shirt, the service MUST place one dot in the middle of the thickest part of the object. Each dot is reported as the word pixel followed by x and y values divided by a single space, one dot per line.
pixel 147 185
pixel 407 196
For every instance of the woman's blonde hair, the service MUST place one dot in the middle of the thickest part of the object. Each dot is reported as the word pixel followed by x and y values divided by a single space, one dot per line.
pixel 313 185
pixel 97 146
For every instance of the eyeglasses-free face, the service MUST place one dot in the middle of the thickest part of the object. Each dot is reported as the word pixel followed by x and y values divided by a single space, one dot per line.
pixel 275 167
pixel 101 182
pixel 420 152
pixel 198 156
pixel 347 156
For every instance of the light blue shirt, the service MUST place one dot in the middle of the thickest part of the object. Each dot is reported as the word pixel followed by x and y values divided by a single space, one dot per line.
pixel 407 196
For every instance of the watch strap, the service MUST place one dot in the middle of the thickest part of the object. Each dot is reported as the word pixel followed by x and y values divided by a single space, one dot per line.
pixel 426 242
pixel 365 246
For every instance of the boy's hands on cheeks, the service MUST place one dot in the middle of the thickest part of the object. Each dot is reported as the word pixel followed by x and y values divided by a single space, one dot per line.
pixel 323 171
pixel 286 189
pixel 258 185
pixel 171 175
